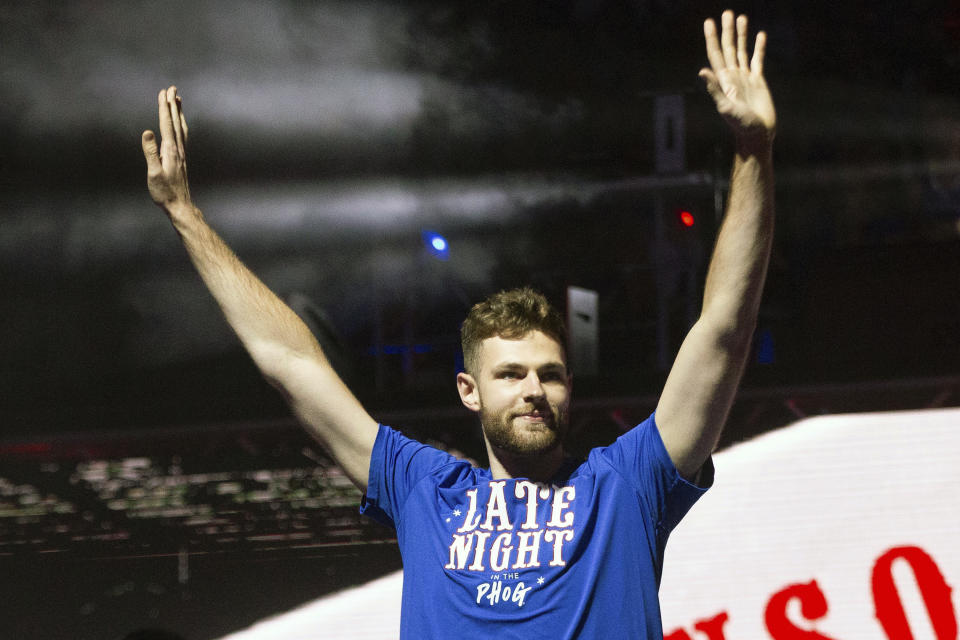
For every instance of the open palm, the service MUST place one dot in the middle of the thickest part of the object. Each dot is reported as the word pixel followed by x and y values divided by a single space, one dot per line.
pixel 167 164
pixel 735 82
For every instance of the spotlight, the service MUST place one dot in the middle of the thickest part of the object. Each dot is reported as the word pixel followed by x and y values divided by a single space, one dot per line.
pixel 436 244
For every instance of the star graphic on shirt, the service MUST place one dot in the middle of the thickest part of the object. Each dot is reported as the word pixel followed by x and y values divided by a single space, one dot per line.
pixel 540 580
pixel 456 512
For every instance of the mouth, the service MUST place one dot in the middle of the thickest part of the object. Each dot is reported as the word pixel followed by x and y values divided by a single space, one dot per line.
pixel 536 416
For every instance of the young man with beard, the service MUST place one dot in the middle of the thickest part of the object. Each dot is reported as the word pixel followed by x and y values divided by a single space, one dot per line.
pixel 538 545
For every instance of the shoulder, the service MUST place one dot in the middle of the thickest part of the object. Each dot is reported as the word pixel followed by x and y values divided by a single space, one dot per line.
pixel 416 459
pixel 401 467
pixel 641 456
pixel 642 439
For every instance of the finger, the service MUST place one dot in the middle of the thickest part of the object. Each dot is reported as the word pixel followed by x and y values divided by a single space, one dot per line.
pixel 713 87
pixel 713 45
pixel 759 51
pixel 175 119
pixel 183 121
pixel 149 143
pixel 726 39
pixel 742 29
pixel 167 137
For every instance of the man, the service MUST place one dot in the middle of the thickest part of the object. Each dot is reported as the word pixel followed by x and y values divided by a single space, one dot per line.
pixel 536 546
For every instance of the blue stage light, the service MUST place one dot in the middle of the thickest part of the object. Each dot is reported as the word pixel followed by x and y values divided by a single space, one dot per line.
pixel 436 244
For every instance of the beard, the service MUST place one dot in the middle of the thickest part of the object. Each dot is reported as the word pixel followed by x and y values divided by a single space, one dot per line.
pixel 508 431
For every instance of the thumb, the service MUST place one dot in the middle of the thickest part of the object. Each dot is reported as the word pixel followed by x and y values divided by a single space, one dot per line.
pixel 712 84
pixel 149 143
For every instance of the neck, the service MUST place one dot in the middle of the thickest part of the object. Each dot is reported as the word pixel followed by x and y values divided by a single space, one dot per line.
pixel 539 467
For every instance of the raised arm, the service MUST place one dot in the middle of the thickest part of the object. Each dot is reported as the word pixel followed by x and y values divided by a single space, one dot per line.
pixel 280 344
pixel 703 381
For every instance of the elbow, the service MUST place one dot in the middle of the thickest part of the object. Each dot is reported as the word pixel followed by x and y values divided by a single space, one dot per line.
pixel 731 335
pixel 277 364
pixel 732 324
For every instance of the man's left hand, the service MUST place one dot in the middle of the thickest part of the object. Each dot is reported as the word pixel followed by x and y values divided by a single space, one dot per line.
pixel 736 83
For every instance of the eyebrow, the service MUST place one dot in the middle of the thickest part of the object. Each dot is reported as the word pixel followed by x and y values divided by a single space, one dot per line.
pixel 554 366
pixel 549 366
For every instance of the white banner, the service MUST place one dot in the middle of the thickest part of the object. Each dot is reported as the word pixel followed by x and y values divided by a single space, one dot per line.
pixel 838 527
pixel 843 527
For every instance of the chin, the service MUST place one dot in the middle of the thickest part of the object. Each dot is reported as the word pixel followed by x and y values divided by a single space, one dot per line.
pixel 521 437
pixel 528 442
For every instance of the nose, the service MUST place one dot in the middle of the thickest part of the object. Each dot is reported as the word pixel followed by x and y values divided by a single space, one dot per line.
pixel 532 388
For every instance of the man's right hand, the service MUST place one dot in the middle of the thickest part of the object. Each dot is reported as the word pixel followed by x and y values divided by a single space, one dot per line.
pixel 167 166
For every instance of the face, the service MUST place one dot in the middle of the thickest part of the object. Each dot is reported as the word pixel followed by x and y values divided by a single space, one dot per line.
pixel 522 393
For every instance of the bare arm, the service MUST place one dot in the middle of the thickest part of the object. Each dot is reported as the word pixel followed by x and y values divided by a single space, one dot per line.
pixel 280 344
pixel 702 383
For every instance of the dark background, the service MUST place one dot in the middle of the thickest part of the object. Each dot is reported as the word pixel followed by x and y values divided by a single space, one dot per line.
pixel 327 137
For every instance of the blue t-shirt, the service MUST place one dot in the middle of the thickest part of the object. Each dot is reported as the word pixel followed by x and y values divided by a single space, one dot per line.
pixel 577 558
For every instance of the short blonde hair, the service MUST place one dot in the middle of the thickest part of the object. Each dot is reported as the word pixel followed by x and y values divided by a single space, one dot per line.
pixel 508 314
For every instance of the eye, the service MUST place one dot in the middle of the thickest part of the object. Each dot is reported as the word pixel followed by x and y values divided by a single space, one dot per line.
pixel 551 376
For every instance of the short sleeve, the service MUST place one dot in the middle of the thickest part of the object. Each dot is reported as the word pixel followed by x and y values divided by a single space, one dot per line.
pixel 397 463
pixel 641 457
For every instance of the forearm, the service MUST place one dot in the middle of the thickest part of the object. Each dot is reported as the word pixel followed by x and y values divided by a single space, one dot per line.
pixel 282 347
pixel 269 330
pixel 280 344
pixel 703 381
pixel 739 264
pixel 700 388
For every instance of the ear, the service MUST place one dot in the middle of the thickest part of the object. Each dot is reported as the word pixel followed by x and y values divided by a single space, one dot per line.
pixel 469 394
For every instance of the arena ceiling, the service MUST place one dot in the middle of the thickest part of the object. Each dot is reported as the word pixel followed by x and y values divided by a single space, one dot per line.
pixel 328 137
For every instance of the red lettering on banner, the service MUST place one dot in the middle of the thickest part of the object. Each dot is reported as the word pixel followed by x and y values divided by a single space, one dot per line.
pixel 713 627
pixel 933 588
pixel 813 606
